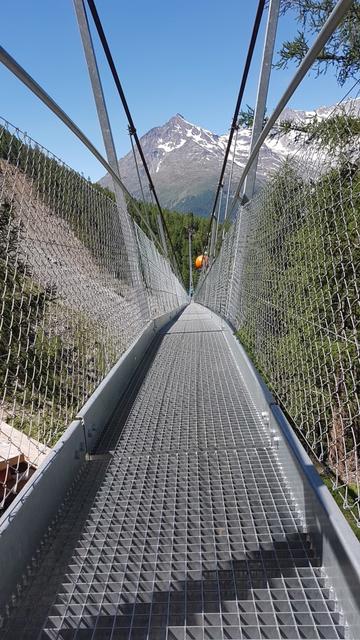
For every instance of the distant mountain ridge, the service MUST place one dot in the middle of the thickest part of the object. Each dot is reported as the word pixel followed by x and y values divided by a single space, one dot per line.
pixel 185 160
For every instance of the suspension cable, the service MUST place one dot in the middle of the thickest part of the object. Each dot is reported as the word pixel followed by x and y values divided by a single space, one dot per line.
pixel 234 123
pixel 132 127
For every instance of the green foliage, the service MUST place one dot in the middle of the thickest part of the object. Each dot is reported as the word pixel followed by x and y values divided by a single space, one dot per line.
pixel 48 364
pixel 103 190
pixel 293 50
pixel 342 50
pixel 337 131
pixel 246 118
pixel 77 201
pixel 61 188
pixel 22 304
pixel 41 367
pixel 53 358
pixel 329 482
pixel 302 327
pixel 178 225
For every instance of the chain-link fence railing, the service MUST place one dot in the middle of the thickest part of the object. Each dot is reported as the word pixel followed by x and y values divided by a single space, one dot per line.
pixel 287 279
pixel 166 290
pixel 79 281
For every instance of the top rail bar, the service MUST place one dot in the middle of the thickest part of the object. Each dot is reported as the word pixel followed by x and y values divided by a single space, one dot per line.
pixel 329 27
pixel 13 66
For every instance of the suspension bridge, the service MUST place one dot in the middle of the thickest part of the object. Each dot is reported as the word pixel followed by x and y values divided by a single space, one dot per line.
pixel 156 450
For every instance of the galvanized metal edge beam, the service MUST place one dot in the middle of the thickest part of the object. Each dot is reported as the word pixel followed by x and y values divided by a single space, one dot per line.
pixel 98 410
pixel 33 510
pixel 26 521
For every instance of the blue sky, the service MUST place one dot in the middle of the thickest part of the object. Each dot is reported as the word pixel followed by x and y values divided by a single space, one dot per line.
pixel 172 56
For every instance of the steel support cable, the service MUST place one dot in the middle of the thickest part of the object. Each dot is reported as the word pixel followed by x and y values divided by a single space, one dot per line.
pixel 234 123
pixel 132 127
pixel 230 181
pixel 326 32
pixel 10 63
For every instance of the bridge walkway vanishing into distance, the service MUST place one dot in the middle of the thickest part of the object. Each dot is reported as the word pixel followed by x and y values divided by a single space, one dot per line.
pixel 186 522
pixel 151 486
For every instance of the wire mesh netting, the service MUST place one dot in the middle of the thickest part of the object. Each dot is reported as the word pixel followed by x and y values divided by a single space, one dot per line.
pixel 286 278
pixel 166 290
pixel 79 282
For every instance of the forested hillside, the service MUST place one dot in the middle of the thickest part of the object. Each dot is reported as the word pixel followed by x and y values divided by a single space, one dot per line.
pixel 178 224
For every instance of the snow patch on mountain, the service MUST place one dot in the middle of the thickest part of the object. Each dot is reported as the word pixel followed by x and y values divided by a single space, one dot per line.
pixel 171 146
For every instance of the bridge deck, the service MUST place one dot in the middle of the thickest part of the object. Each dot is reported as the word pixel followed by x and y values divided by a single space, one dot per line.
pixel 183 525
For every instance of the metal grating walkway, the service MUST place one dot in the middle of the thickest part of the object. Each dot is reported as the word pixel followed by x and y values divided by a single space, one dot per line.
pixel 186 529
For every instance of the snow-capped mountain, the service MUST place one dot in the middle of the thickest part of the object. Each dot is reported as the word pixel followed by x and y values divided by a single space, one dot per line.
pixel 185 160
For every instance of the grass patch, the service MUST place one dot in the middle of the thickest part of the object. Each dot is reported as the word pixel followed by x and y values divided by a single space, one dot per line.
pixel 328 482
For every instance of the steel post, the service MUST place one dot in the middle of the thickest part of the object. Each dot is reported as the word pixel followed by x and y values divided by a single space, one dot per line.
pixel 262 92
pixel 124 218
pixel 162 235
pixel 328 29
pixel 213 238
pixel 190 263
pixel 230 179
pixel 219 216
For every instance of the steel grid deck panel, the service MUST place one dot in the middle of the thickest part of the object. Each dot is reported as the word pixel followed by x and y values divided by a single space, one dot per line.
pixel 186 529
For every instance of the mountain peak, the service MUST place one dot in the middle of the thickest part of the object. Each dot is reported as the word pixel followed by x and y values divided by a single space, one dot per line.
pixel 177 119
pixel 185 159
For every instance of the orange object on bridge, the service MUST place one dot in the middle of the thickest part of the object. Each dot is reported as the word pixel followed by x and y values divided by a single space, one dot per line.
pixel 201 261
